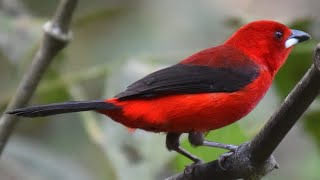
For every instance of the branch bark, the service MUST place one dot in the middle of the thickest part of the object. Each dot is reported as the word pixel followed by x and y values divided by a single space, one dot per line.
pixel 254 159
pixel 56 37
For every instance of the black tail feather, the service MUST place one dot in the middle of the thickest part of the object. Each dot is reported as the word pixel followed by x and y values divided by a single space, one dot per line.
pixel 59 108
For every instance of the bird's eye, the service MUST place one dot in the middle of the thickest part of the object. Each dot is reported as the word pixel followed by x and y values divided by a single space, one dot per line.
pixel 278 35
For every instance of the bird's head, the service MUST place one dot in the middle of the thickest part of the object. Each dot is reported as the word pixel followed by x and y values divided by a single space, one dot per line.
pixel 267 42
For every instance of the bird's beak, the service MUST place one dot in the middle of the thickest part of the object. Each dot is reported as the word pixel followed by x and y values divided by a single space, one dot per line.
pixel 296 37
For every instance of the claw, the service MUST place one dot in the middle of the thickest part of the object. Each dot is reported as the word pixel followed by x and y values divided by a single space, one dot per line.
pixel 222 158
pixel 189 168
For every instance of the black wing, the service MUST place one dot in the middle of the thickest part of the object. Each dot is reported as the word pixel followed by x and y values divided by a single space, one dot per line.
pixel 184 79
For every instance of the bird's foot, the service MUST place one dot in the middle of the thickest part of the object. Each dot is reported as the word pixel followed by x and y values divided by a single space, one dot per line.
pixel 223 157
pixel 189 168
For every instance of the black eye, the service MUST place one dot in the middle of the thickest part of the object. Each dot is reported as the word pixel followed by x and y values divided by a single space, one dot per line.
pixel 278 35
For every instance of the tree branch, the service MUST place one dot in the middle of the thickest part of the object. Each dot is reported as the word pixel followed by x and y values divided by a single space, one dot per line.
pixel 254 159
pixel 56 37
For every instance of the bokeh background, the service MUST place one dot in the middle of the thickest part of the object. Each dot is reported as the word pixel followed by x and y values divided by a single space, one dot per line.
pixel 117 42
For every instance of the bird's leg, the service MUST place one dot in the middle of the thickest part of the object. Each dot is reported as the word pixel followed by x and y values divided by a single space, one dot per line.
pixel 172 143
pixel 197 139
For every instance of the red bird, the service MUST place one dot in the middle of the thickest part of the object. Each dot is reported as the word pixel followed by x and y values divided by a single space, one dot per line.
pixel 208 90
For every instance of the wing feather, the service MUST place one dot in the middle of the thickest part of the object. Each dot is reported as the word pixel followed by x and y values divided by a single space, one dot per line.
pixel 184 79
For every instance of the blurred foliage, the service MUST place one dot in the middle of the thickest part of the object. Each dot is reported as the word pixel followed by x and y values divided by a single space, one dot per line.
pixel 117 42
pixel 312 126
pixel 233 22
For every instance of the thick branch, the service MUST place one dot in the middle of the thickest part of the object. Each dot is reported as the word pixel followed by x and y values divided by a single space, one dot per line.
pixel 56 37
pixel 254 159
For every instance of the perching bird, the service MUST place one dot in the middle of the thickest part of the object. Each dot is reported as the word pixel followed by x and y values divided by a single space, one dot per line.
pixel 208 90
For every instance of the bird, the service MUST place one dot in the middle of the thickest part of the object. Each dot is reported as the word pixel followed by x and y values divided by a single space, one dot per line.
pixel 208 90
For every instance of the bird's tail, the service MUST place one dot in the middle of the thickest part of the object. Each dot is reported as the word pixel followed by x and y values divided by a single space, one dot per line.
pixel 60 108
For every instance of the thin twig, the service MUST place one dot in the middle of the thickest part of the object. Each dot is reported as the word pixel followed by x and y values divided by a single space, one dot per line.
pixel 254 159
pixel 56 37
